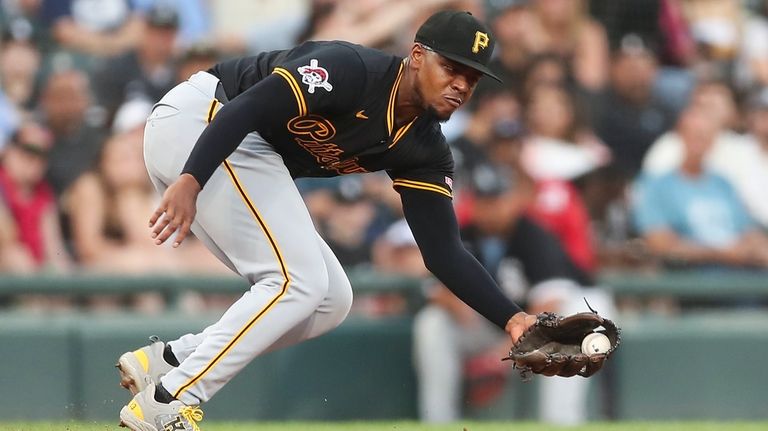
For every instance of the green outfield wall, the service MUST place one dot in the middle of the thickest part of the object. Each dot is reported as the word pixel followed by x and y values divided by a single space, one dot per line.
pixel 697 365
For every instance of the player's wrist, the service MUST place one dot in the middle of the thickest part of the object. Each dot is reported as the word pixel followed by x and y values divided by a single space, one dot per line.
pixel 190 180
pixel 518 324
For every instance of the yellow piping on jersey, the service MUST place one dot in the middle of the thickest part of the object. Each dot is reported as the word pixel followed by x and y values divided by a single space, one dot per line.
pixel 283 290
pixel 422 186
pixel 400 132
pixel 295 88
pixel 392 97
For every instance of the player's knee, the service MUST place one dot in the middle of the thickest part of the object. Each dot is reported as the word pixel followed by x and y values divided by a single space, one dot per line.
pixel 312 283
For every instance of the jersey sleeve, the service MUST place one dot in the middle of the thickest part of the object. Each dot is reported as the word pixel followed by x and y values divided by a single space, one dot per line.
pixel 323 78
pixel 436 231
pixel 436 176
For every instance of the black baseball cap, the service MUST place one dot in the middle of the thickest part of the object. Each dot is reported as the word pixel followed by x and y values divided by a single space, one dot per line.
pixel 460 37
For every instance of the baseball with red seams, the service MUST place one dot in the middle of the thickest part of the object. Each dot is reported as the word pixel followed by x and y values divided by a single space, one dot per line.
pixel 595 343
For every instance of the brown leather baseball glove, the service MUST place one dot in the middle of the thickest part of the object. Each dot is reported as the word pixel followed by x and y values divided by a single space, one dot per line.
pixel 552 345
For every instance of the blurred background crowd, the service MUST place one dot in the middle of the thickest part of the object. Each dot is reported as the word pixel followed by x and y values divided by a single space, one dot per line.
pixel 633 132
pixel 629 135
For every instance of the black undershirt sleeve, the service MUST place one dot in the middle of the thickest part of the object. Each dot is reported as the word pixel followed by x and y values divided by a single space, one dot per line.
pixel 433 222
pixel 266 105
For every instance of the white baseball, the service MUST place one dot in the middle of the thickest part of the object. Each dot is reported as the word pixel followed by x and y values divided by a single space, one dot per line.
pixel 595 343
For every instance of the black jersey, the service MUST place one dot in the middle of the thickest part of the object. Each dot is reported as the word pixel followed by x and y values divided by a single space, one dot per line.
pixel 341 116
pixel 328 108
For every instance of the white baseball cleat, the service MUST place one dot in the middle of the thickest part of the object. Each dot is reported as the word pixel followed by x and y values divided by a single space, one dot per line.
pixel 144 413
pixel 140 368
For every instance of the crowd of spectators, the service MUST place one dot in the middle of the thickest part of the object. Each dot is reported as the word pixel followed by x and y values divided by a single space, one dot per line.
pixel 628 134
pixel 635 132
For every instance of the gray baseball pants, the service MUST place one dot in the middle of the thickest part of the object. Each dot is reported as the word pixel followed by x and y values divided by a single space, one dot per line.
pixel 252 217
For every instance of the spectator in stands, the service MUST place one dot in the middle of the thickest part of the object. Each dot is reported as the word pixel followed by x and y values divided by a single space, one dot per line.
pixel 9 119
pixel 346 227
pixel 195 18
pixel 21 20
pixel 664 28
pixel 559 145
pixel 105 207
pixel 92 29
pixel 557 150
pixel 564 28
pixel 743 160
pixel 396 252
pixel 629 118
pixel 726 41
pixel 244 26
pixel 30 203
pixel 19 68
pixel 716 97
pixel 535 35
pixel 376 23
pixel 503 148
pixel 147 72
pixel 544 69
pixel 692 216
pixel 638 17
pixel 509 21
pixel 751 66
pixel 78 136
pixel 531 266
pixel 195 58
pixel 746 165
pixel 494 113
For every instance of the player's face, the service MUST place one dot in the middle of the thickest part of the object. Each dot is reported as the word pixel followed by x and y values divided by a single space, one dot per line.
pixel 444 85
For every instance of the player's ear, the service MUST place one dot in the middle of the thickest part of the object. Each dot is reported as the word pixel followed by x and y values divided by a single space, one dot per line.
pixel 418 54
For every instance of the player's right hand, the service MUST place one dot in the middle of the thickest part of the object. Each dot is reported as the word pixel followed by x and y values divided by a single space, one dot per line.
pixel 176 211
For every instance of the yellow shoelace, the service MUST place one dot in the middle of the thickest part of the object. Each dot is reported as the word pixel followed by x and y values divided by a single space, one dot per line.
pixel 193 415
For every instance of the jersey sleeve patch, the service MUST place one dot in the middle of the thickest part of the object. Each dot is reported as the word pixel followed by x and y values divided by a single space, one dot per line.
pixel 313 75
pixel 324 75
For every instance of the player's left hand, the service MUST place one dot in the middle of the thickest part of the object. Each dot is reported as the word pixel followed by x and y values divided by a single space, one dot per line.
pixel 552 346
pixel 176 211
pixel 519 324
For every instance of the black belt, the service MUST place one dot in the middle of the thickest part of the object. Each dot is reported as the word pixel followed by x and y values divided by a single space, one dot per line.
pixel 220 94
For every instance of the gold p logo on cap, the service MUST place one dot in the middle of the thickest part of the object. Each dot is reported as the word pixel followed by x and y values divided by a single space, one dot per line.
pixel 481 41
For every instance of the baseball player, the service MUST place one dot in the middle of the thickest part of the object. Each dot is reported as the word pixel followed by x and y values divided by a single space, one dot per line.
pixel 224 148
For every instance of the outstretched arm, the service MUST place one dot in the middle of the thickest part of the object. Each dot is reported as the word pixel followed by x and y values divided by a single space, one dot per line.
pixel 433 223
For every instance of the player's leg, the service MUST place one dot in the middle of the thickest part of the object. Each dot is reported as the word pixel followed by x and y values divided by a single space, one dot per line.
pixel 331 311
pixel 267 234
pixel 252 211
pixel 175 123
pixel 328 315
